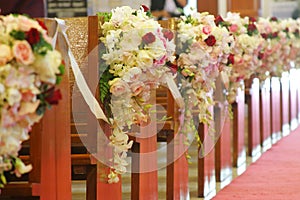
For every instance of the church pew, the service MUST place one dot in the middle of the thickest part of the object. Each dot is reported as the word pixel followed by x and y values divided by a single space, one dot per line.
pixel 275 109
pixel 293 80
pixel 284 104
pixel 206 167
pixel 239 148
pixel 223 158
pixel 265 116
pixel 252 100
pixel 49 152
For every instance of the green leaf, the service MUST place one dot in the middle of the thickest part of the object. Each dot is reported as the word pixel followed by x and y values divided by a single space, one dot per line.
pixel 18 35
pixel 106 16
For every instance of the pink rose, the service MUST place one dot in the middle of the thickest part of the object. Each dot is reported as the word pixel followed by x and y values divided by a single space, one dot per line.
pixel 23 52
pixel 137 88
pixel 206 30
pixel 233 28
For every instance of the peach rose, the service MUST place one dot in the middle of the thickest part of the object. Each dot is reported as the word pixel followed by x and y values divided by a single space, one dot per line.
pixel 5 54
pixel 137 88
pixel 23 52
pixel 118 87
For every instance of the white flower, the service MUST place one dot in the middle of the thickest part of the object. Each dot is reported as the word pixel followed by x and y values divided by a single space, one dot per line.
pixel 13 96
pixel 47 66
pixel 118 87
pixel 5 54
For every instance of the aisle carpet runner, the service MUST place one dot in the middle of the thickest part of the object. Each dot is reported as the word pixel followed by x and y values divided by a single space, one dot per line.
pixel 275 176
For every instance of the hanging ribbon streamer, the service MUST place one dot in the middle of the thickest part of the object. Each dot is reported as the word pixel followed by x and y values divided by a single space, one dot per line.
pixel 174 91
pixel 79 78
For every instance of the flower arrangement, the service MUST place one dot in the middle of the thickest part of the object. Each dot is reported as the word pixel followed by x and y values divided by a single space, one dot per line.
pixel 246 53
pixel 29 72
pixel 276 48
pixel 136 57
pixel 203 50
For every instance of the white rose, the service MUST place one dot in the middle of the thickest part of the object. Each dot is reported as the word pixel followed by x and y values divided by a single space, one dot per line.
pixel 5 54
pixel 13 96
pixel 132 74
pixel 48 66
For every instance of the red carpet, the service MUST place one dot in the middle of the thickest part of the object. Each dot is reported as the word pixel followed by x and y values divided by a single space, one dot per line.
pixel 275 176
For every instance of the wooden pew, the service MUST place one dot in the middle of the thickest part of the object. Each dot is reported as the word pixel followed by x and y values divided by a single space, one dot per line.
pixel 252 99
pixel 275 109
pixel 265 116
pixel 49 152
pixel 239 149
pixel 206 163
pixel 284 104
pixel 294 82
pixel 223 156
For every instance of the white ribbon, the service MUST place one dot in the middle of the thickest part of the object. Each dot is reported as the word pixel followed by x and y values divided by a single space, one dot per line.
pixel 174 91
pixel 79 78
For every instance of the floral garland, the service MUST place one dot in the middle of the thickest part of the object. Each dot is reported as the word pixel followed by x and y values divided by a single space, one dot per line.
pixel 203 49
pixel 246 53
pixel 29 71
pixel 136 57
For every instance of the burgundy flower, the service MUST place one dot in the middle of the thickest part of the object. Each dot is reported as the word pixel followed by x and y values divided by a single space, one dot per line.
pixel 230 59
pixel 260 55
pixel 148 38
pixel 210 41
pixel 33 36
pixel 273 19
pixel 251 27
pixel 218 20
pixel 275 34
pixel 168 34
pixel 145 8
pixel 53 97
pixel 252 19
pixel 173 67
pixel 264 35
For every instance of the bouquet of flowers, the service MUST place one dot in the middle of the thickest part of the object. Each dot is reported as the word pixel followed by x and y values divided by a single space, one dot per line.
pixel 245 54
pixel 29 72
pixel 136 57
pixel 203 50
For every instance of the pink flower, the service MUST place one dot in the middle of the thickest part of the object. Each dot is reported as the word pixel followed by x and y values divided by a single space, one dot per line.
pixel 206 30
pixel 148 38
pixel 169 35
pixel 23 52
pixel 137 88
pixel 233 28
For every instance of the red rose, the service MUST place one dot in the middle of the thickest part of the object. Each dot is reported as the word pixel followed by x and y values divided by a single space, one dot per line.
pixel 264 35
pixel 252 19
pixel 210 41
pixel 275 34
pixel 230 59
pixel 148 38
pixel 273 19
pixel 33 36
pixel 218 20
pixel 145 8
pixel 168 34
pixel 251 27
pixel 53 96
